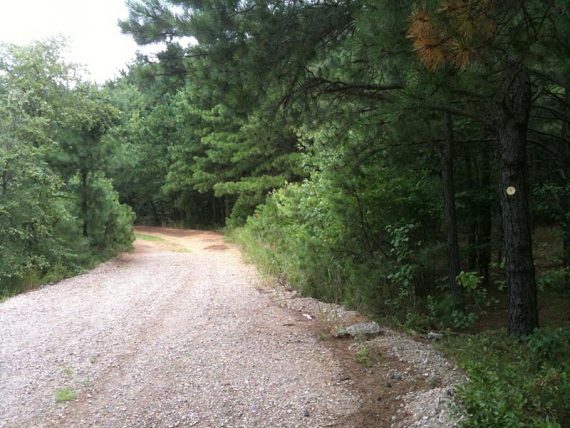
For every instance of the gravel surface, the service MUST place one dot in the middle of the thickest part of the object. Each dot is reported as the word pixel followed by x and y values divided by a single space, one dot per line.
pixel 430 402
pixel 172 335
pixel 432 407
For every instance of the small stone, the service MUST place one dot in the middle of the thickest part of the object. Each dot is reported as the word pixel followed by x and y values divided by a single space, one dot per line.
pixel 306 413
pixel 359 329
pixel 432 335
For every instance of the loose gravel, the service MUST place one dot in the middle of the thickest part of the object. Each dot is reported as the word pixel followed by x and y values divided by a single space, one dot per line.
pixel 165 338
pixel 433 405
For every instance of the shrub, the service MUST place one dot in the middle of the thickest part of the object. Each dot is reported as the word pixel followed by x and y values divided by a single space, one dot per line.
pixel 515 383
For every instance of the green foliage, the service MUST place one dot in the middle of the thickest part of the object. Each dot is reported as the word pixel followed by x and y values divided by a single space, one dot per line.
pixel 470 281
pixel 442 313
pixel 556 279
pixel 514 383
pixel 364 357
pixel 312 234
pixel 52 223
pixel 63 395
pixel 145 237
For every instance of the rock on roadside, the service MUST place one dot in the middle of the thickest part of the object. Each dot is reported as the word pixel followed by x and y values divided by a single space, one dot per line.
pixel 359 330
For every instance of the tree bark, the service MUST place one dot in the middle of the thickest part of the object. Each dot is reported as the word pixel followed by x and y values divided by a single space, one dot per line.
pixel 157 219
pixel 565 167
pixel 485 223
pixel 84 205
pixel 511 121
pixel 472 248
pixel 449 216
pixel 226 209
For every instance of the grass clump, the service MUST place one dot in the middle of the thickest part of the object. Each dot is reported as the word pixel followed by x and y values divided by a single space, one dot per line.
pixel 145 237
pixel 363 356
pixel 167 244
pixel 514 383
pixel 63 395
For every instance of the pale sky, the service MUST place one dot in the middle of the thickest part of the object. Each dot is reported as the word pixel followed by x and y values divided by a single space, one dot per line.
pixel 91 26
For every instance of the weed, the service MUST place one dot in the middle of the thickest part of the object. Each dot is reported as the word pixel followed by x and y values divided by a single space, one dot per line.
pixel 63 395
pixel 329 321
pixel 514 383
pixel 175 248
pixel 363 357
pixel 145 237
pixel 170 245
pixel 554 280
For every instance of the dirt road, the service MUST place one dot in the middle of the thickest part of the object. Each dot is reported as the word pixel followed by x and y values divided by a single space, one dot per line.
pixel 173 334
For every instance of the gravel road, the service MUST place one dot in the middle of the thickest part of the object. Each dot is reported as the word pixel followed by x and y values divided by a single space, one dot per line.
pixel 173 334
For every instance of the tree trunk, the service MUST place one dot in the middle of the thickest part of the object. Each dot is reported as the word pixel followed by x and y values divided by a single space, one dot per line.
pixel 84 206
pixel 449 217
pixel 226 209
pixel 5 181
pixel 511 120
pixel 472 249
pixel 565 167
pixel 485 223
pixel 157 219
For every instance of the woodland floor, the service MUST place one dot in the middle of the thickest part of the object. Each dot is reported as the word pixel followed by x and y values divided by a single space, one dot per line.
pixel 181 332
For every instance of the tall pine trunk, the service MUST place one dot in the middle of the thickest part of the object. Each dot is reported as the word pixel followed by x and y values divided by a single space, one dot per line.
pixel 214 213
pixel 511 121
pixel 472 230
pixel 84 205
pixel 565 167
pixel 485 224
pixel 449 216
pixel 157 218
pixel 477 169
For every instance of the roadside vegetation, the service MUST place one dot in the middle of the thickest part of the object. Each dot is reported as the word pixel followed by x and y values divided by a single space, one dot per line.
pixel 514 383
pixel 146 237
pixel 59 212
pixel 63 395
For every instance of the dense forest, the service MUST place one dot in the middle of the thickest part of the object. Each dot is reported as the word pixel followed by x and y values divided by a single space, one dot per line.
pixel 409 159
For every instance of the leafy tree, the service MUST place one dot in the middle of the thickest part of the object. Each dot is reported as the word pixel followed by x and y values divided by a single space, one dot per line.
pixel 50 135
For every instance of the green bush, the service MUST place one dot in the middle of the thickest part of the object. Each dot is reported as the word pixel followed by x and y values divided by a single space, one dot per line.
pixel 112 221
pixel 313 236
pixel 514 383
pixel 554 280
